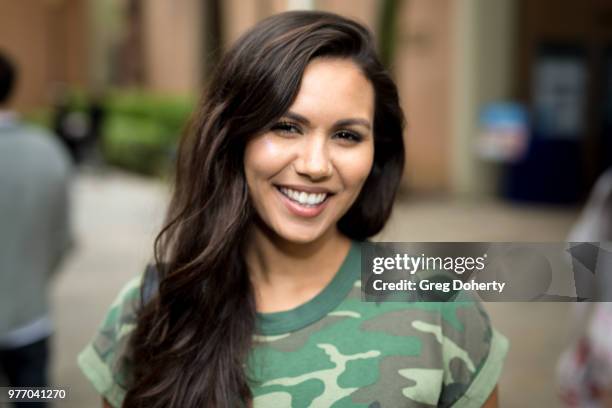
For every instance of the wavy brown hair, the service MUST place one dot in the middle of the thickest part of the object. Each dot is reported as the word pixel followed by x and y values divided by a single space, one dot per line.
pixel 194 335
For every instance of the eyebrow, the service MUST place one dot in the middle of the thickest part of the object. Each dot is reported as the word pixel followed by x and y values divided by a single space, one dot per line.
pixel 342 122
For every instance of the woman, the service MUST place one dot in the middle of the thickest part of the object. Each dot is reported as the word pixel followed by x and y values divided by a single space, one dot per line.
pixel 293 158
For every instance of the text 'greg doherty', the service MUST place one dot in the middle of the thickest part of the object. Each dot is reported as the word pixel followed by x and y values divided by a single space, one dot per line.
pixel 427 285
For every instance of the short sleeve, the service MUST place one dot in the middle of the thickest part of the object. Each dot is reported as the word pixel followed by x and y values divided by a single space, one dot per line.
pixel 106 360
pixel 473 353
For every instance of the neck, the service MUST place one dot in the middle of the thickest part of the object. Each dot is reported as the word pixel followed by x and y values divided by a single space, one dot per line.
pixel 286 274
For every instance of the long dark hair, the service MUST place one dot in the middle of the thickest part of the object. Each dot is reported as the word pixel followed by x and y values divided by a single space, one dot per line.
pixel 193 338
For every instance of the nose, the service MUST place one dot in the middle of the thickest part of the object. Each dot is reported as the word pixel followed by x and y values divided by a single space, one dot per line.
pixel 314 160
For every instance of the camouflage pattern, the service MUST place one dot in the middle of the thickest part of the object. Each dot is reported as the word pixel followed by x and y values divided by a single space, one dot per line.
pixel 358 354
pixel 381 355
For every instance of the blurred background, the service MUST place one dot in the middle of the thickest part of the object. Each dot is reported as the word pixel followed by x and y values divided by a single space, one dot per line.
pixel 509 110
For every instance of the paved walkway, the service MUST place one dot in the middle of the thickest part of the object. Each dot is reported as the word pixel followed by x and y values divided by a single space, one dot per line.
pixel 117 216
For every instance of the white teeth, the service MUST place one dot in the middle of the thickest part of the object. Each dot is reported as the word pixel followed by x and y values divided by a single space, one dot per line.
pixel 308 199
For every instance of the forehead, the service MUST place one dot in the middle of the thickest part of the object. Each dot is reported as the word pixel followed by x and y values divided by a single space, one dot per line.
pixel 333 89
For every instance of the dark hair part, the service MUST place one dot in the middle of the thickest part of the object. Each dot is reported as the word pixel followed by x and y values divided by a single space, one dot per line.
pixel 7 77
pixel 192 339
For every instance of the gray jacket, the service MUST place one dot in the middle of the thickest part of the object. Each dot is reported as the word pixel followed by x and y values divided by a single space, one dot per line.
pixel 34 225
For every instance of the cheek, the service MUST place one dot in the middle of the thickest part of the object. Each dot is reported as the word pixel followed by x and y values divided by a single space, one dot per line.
pixel 355 168
pixel 262 159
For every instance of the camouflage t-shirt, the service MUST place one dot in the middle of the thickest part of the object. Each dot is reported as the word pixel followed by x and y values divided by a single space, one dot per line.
pixel 337 351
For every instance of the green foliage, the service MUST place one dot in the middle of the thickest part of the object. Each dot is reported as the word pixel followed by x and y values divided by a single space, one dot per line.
pixel 136 144
pixel 141 131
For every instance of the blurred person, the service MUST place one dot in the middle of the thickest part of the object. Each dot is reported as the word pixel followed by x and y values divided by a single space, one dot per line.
pixel 78 130
pixel 34 237
pixel 585 368
pixel 293 159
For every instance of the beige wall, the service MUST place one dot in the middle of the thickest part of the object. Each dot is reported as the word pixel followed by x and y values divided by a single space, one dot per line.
pixel 240 15
pixel 364 11
pixel 172 46
pixel 47 40
pixel 27 48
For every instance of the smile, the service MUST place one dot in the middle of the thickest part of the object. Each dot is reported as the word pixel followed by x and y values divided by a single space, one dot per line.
pixel 304 204
pixel 304 198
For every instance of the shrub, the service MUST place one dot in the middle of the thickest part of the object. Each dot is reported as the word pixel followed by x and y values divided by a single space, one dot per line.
pixel 140 131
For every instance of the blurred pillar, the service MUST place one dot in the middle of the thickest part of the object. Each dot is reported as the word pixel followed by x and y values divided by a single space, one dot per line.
pixel 300 4
pixel 484 38
pixel 105 29
pixel 173 46
pixel 130 63
pixel 387 31
pixel 424 67
pixel 212 35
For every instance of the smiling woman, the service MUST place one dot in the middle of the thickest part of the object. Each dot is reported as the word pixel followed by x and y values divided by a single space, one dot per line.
pixel 292 160
pixel 308 169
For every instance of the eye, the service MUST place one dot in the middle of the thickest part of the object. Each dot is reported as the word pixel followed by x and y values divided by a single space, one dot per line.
pixel 286 127
pixel 348 136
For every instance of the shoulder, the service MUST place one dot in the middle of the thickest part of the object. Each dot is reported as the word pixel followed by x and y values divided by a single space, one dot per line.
pixel 45 153
pixel 106 360
pixel 453 341
pixel 472 352
pixel 458 342
pixel 57 158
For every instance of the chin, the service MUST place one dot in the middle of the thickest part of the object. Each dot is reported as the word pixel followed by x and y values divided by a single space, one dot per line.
pixel 300 235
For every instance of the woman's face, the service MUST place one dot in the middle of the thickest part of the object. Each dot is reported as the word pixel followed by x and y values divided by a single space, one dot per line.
pixel 307 170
